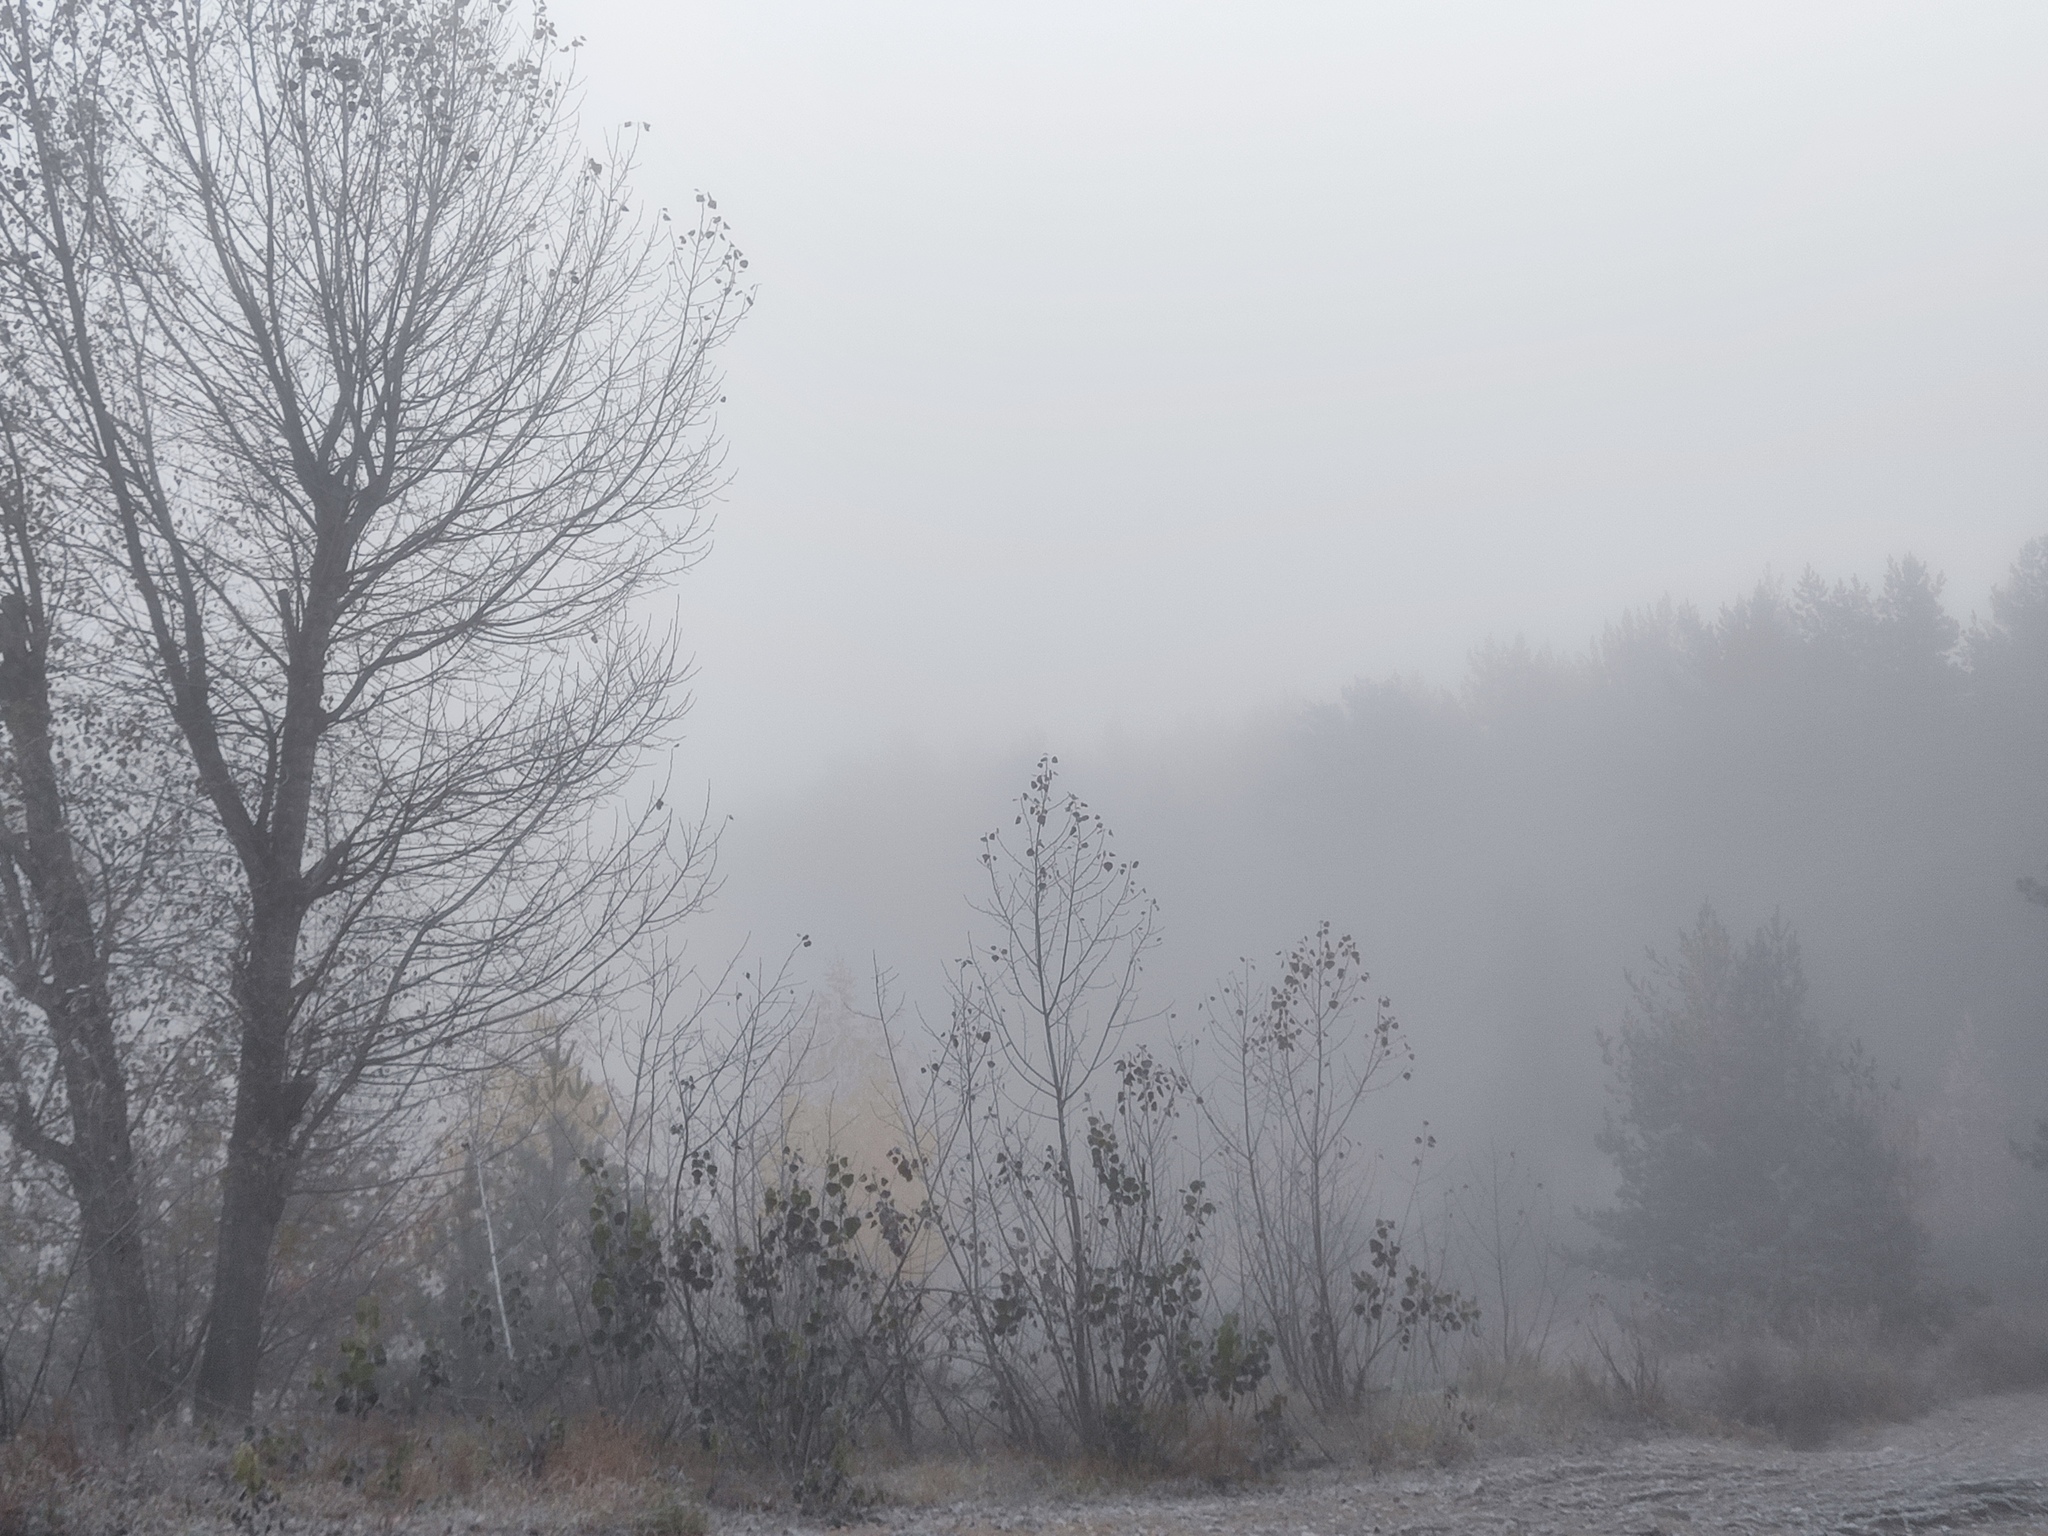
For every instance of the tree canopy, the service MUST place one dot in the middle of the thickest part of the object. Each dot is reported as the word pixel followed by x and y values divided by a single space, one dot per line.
pixel 1757 1166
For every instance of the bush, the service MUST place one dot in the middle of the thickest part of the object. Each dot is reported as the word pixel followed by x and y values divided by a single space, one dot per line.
pixel 1993 1350
pixel 789 1331
pixel 1833 1373
pixel 1334 1283
pixel 1075 1233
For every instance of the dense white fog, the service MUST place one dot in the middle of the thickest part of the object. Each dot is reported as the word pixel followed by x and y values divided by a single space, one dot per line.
pixel 779 759
pixel 1139 366
pixel 1507 851
pixel 1141 383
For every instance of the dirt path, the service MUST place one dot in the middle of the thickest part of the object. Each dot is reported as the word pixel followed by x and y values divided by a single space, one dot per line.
pixel 1978 1465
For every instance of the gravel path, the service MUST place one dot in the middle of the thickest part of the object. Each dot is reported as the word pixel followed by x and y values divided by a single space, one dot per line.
pixel 1979 1465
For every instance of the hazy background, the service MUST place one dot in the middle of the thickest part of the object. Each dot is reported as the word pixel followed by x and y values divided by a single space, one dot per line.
pixel 1129 379
pixel 1120 364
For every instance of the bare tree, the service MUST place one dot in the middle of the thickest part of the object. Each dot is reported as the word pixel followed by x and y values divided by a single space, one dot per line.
pixel 399 408
pixel 83 826
pixel 1506 1220
pixel 1045 1130
pixel 1323 1270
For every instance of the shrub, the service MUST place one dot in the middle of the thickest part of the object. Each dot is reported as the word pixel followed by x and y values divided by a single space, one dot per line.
pixel 1993 1350
pixel 785 1328
pixel 1334 1284
pixel 1834 1372
pixel 1074 1231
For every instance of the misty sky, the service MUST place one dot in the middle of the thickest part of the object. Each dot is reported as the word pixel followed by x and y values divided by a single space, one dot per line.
pixel 1119 366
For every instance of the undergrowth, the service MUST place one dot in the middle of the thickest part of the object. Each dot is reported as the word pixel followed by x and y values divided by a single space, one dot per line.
pixel 554 1475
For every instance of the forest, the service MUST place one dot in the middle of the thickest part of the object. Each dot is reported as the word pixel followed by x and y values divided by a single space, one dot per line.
pixel 1648 1035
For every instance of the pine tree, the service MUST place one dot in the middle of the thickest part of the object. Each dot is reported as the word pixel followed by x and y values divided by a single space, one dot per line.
pixel 1756 1167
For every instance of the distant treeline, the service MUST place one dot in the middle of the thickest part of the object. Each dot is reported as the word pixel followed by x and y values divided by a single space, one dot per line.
pixel 1852 756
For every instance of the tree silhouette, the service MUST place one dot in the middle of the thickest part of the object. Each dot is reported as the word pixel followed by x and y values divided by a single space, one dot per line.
pixel 1756 1169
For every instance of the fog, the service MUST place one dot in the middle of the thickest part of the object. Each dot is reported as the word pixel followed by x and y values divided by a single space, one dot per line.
pixel 1125 519
pixel 1128 384
pixel 1507 851
pixel 1151 384
pixel 1136 367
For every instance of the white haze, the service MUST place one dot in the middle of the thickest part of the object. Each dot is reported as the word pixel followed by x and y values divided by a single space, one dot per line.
pixel 1122 365
pixel 1127 377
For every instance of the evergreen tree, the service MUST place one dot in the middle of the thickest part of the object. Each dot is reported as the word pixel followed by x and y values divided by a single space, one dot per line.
pixel 1756 1168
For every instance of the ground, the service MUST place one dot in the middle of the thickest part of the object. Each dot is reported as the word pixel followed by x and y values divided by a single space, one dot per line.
pixel 1980 1464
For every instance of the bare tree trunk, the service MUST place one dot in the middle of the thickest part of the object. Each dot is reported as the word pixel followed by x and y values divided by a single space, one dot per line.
pixel 54 956
pixel 263 1148
pixel 253 1192
pixel 124 1321
pixel 56 945
pixel 256 1182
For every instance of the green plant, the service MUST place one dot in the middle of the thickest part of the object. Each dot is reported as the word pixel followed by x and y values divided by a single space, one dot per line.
pixel 630 1285
pixel 1237 1364
pixel 245 1470
pixel 791 1372
pixel 362 1356
pixel 1278 1442
pixel 255 1495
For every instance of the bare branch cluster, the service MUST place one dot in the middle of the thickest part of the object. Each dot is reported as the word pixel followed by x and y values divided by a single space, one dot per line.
pixel 363 412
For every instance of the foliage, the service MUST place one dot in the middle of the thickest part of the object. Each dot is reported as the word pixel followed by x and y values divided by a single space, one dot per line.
pixel 362 1356
pixel 799 1357
pixel 1416 1309
pixel 629 1283
pixel 1756 1167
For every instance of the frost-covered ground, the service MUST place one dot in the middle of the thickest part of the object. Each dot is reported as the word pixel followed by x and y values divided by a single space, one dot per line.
pixel 1980 1464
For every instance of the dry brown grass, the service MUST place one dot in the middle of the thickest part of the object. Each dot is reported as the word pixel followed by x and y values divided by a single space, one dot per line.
pixel 597 1448
pixel 1223 1449
pixel 1799 1385
pixel 1536 1404
pixel 39 1470
pixel 1200 1450
pixel 991 1475
pixel 379 1474
pixel 597 1474
pixel 464 1458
